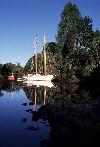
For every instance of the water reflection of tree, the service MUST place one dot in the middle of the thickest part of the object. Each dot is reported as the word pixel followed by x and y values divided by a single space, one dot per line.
pixel 1 94
pixel 63 95
pixel 10 86
pixel 78 125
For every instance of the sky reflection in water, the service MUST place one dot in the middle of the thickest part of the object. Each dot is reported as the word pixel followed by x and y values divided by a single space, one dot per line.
pixel 16 126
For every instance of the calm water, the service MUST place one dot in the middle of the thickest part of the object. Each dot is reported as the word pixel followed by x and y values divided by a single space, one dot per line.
pixel 18 127
pixel 71 115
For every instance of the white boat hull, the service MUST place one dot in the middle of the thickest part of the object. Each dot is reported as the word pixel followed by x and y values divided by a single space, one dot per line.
pixel 38 77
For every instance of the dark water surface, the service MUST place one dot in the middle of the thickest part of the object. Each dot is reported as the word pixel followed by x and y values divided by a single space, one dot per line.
pixel 40 116
pixel 17 129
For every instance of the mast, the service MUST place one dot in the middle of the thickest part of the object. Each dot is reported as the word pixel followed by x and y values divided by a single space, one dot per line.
pixel 35 42
pixel 44 51
pixel 12 74
pixel 36 61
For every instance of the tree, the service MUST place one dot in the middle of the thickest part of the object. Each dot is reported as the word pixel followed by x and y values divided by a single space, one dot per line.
pixel 86 34
pixel 50 53
pixel 18 70
pixel 68 28
pixel 96 47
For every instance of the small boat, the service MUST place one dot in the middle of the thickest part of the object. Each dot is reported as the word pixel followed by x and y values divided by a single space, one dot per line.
pixel 11 78
pixel 19 79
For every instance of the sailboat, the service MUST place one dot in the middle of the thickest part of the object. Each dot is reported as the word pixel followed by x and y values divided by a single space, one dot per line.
pixel 39 77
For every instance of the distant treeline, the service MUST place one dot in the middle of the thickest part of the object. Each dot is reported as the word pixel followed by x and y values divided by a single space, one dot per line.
pixel 8 68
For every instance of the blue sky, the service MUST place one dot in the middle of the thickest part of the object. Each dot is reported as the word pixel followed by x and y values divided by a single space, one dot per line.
pixel 21 20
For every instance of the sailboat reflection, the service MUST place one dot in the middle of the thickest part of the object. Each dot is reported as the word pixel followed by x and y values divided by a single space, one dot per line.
pixel 38 96
pixel 37 91
pixel 39 83
pixel 36 106
pixel 35 100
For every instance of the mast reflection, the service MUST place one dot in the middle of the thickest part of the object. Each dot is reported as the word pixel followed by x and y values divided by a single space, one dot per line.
pixel 35 100
pixel 36 91
pixel 12 86
pixel 45 91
